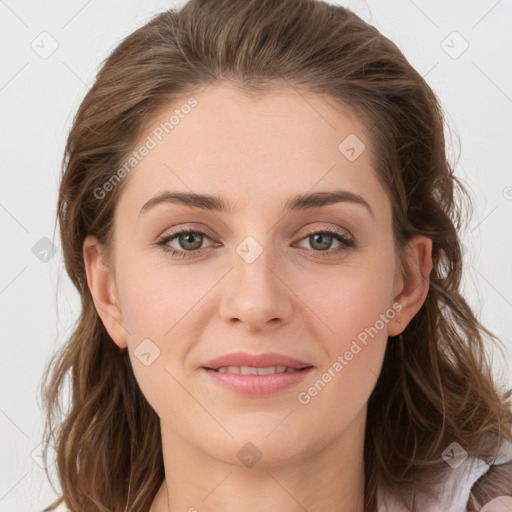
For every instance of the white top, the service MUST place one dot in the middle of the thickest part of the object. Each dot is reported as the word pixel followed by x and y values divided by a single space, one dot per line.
pixel 453 494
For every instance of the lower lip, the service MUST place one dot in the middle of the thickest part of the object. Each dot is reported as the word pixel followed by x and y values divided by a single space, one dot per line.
pixel 257 385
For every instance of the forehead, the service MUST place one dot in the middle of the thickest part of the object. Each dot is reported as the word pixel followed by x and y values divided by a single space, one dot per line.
pixel 253 150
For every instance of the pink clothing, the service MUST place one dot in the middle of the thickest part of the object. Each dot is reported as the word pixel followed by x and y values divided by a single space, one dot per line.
pixel 453 494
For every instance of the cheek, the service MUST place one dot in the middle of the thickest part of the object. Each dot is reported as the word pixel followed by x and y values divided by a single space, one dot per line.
pixel 353 297
pixel 355 312
pixel 158 307
pixel 152 299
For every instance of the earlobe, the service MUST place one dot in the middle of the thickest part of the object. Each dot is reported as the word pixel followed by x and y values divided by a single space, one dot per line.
pixel 102 287
pixel 414 283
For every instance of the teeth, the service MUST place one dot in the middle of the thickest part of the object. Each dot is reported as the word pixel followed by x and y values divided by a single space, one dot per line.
pixel 249 370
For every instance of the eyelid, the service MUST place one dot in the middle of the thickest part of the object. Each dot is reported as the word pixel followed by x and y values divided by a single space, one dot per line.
pixel 330 229
pixel 176 230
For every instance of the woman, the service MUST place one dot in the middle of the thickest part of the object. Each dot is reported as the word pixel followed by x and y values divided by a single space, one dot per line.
pixel 310 349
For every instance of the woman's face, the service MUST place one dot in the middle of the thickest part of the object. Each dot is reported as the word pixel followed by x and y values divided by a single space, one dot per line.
pixel 252 277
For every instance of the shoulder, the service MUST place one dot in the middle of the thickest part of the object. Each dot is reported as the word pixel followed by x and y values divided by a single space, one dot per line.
pixel 494 475
pixel 494 485
pixel 500 504
pixel 453 494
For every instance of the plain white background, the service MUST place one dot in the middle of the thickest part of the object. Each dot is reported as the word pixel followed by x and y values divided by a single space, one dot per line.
pixel 39 95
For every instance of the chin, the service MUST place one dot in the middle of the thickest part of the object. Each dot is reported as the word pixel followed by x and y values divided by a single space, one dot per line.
pixel 255 448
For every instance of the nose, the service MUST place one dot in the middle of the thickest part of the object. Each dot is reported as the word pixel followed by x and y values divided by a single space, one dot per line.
pixel 255 293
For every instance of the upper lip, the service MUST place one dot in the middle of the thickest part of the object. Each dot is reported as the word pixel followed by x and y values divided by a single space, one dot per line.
pixel 255 361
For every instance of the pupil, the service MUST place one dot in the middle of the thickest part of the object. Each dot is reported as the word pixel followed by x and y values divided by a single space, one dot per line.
pixel 326 244
pixel 189 238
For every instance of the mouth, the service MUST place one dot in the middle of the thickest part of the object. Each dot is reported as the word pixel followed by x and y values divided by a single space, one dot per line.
pixel 244 363
pixel 256 375
pixel 252 370
pixel 254 384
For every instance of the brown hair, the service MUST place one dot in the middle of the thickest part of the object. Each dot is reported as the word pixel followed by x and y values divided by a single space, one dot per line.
pixel 436 385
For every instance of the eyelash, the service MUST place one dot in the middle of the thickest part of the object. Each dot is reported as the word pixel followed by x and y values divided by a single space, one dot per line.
pixel 346 243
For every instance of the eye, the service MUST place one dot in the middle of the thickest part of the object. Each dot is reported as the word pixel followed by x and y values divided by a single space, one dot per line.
pixel 189 239
pixel 190 242
pixel 322 240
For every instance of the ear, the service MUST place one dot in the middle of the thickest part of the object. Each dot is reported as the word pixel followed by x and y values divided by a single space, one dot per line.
pixel 101 282
pixel 412 282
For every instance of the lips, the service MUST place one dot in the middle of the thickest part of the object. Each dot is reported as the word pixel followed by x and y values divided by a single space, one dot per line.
pixel 256 375
pixel 266 360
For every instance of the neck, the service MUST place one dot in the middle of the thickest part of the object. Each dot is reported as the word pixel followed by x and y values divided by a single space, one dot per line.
pixel 327 479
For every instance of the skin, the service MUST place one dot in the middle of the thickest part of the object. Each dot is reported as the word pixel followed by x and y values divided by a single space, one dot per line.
pixel 256 152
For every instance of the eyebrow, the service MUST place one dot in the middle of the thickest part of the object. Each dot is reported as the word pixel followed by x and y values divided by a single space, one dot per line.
pixel 296 203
